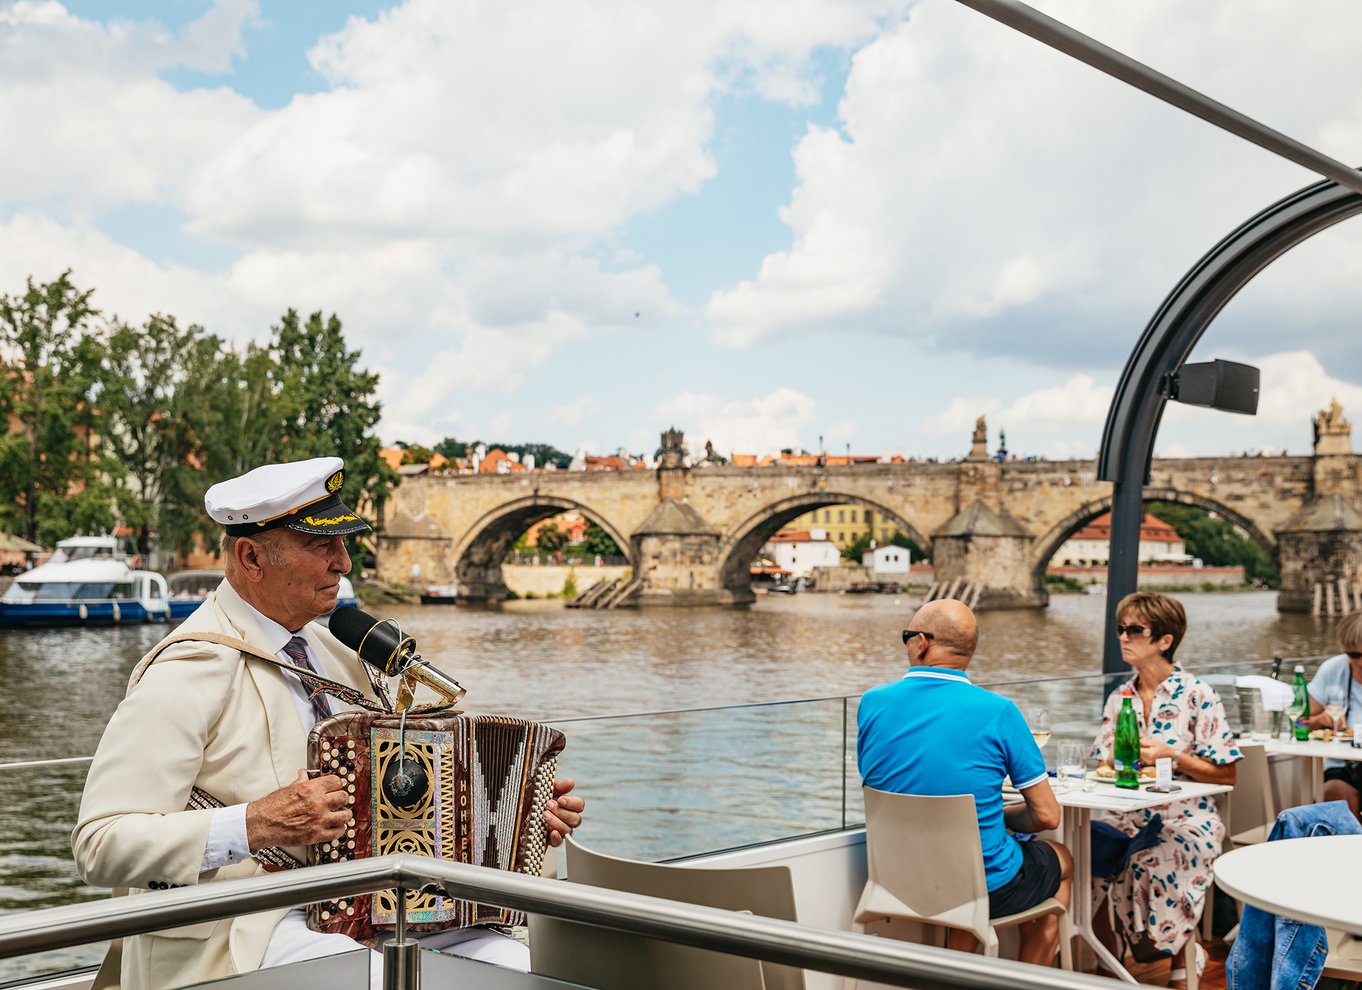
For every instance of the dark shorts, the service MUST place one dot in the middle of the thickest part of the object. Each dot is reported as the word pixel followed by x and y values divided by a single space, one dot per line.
pixel 1037 879
pixel 1350 774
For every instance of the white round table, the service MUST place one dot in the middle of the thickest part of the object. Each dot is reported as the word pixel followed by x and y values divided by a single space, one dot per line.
pixel 1314 880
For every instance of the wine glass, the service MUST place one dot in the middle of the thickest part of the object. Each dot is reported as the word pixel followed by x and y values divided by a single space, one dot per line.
pixel 1038 719
pixel 1335 712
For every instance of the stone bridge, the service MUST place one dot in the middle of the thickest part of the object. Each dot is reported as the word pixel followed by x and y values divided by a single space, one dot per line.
pixel 690 533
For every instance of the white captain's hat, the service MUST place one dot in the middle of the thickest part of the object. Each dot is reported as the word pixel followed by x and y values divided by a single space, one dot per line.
pixel 302 495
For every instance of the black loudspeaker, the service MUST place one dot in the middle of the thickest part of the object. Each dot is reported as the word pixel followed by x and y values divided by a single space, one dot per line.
pixel 1218 384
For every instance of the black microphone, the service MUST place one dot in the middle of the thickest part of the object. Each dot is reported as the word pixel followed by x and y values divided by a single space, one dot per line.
pixel 382 646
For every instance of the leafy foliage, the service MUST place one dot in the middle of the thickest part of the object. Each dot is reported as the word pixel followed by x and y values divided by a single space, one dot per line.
pixel 550 537
pixel 112 423
pixel 328 403
pixel 597 541
pixel 1218 542
pixel 51 482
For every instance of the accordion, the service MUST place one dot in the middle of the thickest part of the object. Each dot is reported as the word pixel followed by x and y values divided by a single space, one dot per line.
pixel 459 787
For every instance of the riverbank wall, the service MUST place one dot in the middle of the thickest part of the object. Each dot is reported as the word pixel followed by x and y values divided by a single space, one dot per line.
pixel 1162 578
pixel 549 580
pixel 839 579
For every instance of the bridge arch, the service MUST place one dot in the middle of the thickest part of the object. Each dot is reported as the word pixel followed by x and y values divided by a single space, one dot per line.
pixel 740 546
pixel 1047 545
pixel 480 551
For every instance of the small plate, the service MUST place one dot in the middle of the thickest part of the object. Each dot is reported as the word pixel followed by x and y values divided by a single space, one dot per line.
pixel 1092 775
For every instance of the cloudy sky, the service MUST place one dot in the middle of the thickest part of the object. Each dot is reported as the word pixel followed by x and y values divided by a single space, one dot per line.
pixel 582 221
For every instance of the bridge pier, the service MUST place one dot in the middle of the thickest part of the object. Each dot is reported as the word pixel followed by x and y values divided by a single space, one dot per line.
pixel 1321 544
pixel 676 556
pixel 993 550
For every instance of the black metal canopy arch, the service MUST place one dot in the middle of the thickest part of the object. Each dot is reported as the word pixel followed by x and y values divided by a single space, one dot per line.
pixel 1141 393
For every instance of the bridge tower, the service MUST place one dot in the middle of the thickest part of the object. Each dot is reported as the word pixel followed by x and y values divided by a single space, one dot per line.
pixel 675 551
pixel 983 543
pixel 1320 546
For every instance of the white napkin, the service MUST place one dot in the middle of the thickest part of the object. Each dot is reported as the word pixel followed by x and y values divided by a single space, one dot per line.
pixel 1276 695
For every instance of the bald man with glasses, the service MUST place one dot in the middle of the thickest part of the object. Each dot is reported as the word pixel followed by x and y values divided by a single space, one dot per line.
pixel 935 733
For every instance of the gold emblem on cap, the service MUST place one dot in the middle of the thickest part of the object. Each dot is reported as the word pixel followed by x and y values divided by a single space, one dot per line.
pixel 330 520
pixel 335 482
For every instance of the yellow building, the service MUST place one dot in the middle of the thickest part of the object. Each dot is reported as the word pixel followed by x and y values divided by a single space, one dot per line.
pixel 846 524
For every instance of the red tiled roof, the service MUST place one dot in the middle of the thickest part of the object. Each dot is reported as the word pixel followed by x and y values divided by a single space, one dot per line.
pixel 489 464
pixel 796 536
pixel 1152 530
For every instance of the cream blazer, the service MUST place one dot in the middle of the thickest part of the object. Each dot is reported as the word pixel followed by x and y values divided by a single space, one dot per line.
pixel 201 715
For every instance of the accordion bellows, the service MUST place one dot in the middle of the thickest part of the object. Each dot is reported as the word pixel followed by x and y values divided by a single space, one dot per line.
pixel 463 788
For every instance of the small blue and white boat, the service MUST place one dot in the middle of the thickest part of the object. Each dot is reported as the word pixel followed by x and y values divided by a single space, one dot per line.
pixel 188 589
pixel 88 581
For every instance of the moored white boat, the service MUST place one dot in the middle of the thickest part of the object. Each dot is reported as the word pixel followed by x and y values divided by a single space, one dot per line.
pixel 87 582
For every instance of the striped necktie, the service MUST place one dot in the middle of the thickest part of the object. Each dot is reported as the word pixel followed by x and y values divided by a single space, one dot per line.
pixel 296 648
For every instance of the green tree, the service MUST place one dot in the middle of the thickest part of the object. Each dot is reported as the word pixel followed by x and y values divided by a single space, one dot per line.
pixel 856 549
pixel 146 423
pixel 550 537
pixel 597 541
pixel 415 453
pixel 1218 542
pixel 333 408
pixel 451 448
pixel 51 485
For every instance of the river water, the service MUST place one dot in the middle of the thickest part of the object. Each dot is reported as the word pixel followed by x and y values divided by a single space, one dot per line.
pixel 657 787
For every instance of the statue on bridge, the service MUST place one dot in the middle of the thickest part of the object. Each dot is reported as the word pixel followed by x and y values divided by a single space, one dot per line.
pixel 1333 433
pixel 712 457
pixel 978 448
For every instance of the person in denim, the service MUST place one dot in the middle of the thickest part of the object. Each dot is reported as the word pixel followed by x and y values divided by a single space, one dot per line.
pixel 1276 953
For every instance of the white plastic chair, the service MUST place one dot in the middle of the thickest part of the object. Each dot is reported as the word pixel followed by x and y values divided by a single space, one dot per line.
pixel 611 960
pixel 925 864
pixel 1249 812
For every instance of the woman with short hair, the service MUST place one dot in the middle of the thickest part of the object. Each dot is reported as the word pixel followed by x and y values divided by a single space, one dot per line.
pixel 1157 899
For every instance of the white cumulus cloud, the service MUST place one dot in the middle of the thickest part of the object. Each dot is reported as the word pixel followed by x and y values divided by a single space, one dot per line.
pixel 762 425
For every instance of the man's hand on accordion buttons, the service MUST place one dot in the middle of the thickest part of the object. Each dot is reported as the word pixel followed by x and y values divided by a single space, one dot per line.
pixel 307 811
pixel 563 812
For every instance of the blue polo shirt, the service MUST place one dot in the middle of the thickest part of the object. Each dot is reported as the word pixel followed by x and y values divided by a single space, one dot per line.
pixel 935 733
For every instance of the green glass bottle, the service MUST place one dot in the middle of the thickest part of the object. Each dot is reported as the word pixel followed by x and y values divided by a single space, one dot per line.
pixel 1300 705
pixel 1125 748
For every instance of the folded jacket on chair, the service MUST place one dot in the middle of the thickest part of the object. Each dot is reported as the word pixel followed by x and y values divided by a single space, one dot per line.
pixel 1112 848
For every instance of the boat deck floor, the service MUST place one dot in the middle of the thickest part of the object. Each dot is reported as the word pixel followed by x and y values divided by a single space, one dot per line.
pixel 1213 978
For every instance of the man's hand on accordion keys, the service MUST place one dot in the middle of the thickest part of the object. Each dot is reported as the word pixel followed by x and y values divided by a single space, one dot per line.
pixel 563 813
pixel 309 810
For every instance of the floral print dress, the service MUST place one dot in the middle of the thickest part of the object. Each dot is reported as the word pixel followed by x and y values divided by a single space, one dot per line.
pixel 1161 892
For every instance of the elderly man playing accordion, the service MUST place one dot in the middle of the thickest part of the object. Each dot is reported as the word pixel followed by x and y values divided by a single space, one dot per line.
pixel 203 720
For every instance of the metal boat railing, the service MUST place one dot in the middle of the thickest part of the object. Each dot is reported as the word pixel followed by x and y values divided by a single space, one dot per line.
pixel 863 957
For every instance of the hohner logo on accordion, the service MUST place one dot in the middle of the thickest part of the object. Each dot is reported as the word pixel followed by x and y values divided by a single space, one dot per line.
pixel 464 788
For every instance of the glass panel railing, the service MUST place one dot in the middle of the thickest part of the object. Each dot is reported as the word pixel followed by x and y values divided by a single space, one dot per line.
pixel 674 784
pixel 659 785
